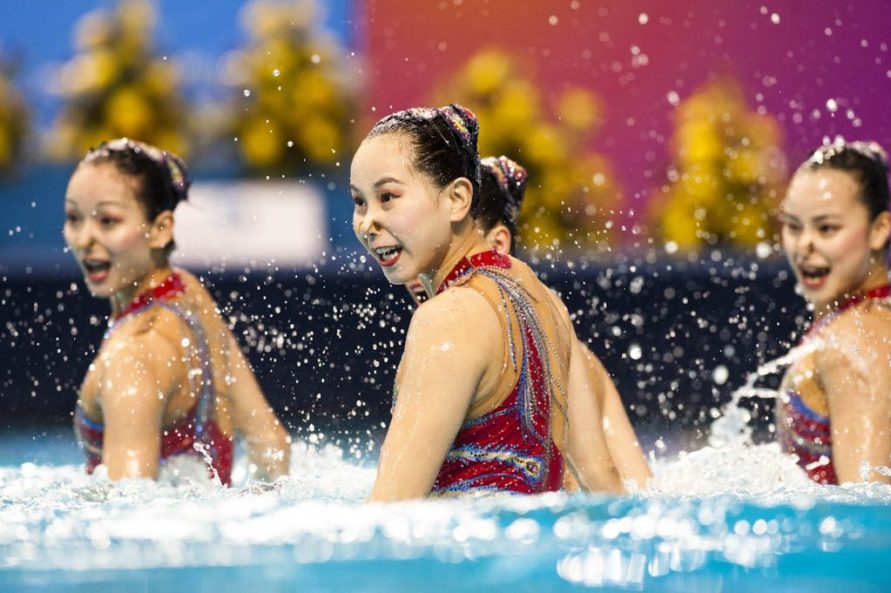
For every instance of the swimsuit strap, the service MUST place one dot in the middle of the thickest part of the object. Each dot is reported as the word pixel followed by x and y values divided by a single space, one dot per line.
pixel 488 259
pixel 204 371
pixel 519 306
pixel 171 287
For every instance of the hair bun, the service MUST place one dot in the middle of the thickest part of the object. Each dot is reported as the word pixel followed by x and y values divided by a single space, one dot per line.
pixel 510 176
pixel 462 121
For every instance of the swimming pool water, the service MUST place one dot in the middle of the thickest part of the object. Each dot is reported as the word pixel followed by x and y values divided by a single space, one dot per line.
pixel 714 521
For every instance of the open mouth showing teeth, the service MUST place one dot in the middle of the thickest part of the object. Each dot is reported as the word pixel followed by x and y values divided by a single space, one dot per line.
pixel 811 273
pixel 385 254
pixel 95 266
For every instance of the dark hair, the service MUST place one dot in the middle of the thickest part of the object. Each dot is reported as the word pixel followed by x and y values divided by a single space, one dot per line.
pixel 866 162
pixel 163 178
pixel 502 187
pixel 444 141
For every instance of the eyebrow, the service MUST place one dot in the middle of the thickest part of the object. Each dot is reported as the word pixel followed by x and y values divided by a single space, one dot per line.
pixel 819 218
pixel 98 204
pixel 378 184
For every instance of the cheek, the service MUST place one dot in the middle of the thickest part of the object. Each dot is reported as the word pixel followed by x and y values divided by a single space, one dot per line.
pixel 851 245
pixel 132 239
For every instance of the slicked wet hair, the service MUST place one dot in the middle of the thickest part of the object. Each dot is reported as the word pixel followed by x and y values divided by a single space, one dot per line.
pixel 866 162
pixel 162 177
pixel 443 140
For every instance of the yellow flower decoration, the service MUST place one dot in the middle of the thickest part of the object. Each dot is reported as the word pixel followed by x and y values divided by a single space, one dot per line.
pixel 727 173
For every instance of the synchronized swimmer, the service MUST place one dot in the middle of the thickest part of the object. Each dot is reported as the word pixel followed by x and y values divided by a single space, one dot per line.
pixel 834 412
pixel 519 404
pixel 169 382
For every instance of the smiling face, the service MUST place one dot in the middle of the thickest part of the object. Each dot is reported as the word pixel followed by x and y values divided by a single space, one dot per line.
pixel 400 216
pixel 828 236
pixel 107 230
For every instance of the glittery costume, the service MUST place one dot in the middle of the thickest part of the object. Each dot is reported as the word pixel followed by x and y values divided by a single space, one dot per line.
pixel 198 426
pixel 801 430
pixel 512 447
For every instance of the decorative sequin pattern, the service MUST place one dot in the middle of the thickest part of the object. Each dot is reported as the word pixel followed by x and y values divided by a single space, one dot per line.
pixel 510 449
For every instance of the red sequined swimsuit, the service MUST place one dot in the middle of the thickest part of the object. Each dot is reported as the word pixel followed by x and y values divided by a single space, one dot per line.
pixel 509 449
pixel 802 431
pixel 197 428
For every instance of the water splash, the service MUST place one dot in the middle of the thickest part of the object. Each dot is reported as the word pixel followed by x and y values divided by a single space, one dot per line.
pixel 702 519
pixel 732 425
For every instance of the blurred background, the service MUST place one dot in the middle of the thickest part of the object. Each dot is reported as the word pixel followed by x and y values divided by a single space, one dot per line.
pixel 659 138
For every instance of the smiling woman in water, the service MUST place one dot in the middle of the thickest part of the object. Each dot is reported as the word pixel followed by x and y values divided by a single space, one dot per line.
pixel 502 188
pixel 169 385
pixel 834 413
pixel 491 393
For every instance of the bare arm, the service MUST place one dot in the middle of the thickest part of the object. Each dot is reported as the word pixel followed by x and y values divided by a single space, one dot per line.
pixel 268 443
pixel 587 449
pixel 855 374
pixel 136 380
pixel 621 440
pixel 450 340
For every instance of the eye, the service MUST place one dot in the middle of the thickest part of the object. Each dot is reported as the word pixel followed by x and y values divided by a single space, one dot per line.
pixel 387 196
pixel 107 221
pixel 71 217
pixel 790 225
pixel 827 229
pixel 358 201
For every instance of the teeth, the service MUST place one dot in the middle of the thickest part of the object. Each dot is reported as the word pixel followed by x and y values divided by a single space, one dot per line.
pixel 814 272
pixel 385 252
pixel 95 265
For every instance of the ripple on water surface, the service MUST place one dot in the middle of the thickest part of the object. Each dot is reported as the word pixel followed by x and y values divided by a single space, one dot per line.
pixel 726 519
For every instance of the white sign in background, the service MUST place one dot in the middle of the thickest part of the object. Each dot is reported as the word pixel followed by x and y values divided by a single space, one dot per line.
pixel 251 223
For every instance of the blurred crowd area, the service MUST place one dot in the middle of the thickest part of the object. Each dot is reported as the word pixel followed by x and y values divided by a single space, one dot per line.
pixel 289 103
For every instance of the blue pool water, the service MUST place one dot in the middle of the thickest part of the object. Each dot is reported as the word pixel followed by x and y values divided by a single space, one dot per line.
pixel 718 520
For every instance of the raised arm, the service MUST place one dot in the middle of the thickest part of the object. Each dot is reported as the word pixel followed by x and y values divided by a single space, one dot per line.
pixel 136 378
pixel 855 370
pixel 450 340
pixel 268 443
pixel 621 440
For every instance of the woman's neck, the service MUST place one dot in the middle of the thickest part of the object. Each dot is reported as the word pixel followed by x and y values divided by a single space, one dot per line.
pixel 462 245
pixel 876 277
pixel 121 299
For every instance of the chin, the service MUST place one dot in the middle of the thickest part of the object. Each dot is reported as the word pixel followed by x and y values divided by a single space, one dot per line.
pixel 396 278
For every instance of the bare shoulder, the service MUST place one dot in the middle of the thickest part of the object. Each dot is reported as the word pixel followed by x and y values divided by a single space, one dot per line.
pixel 861 334
pixel 459 312
pixel 137 366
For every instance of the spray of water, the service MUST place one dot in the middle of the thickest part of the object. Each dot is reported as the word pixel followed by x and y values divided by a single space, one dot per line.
pixel 731 427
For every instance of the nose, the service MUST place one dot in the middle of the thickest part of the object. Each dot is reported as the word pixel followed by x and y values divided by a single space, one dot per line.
pixel 81 236
pixel 367 225
pixel 806 241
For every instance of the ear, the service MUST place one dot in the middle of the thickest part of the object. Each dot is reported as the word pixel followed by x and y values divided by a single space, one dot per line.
pixel 500 238
pixel 161 233
pixel 880 231
pixel 460 196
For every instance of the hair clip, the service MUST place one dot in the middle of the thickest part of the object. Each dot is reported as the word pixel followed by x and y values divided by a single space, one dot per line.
pixel 832 148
